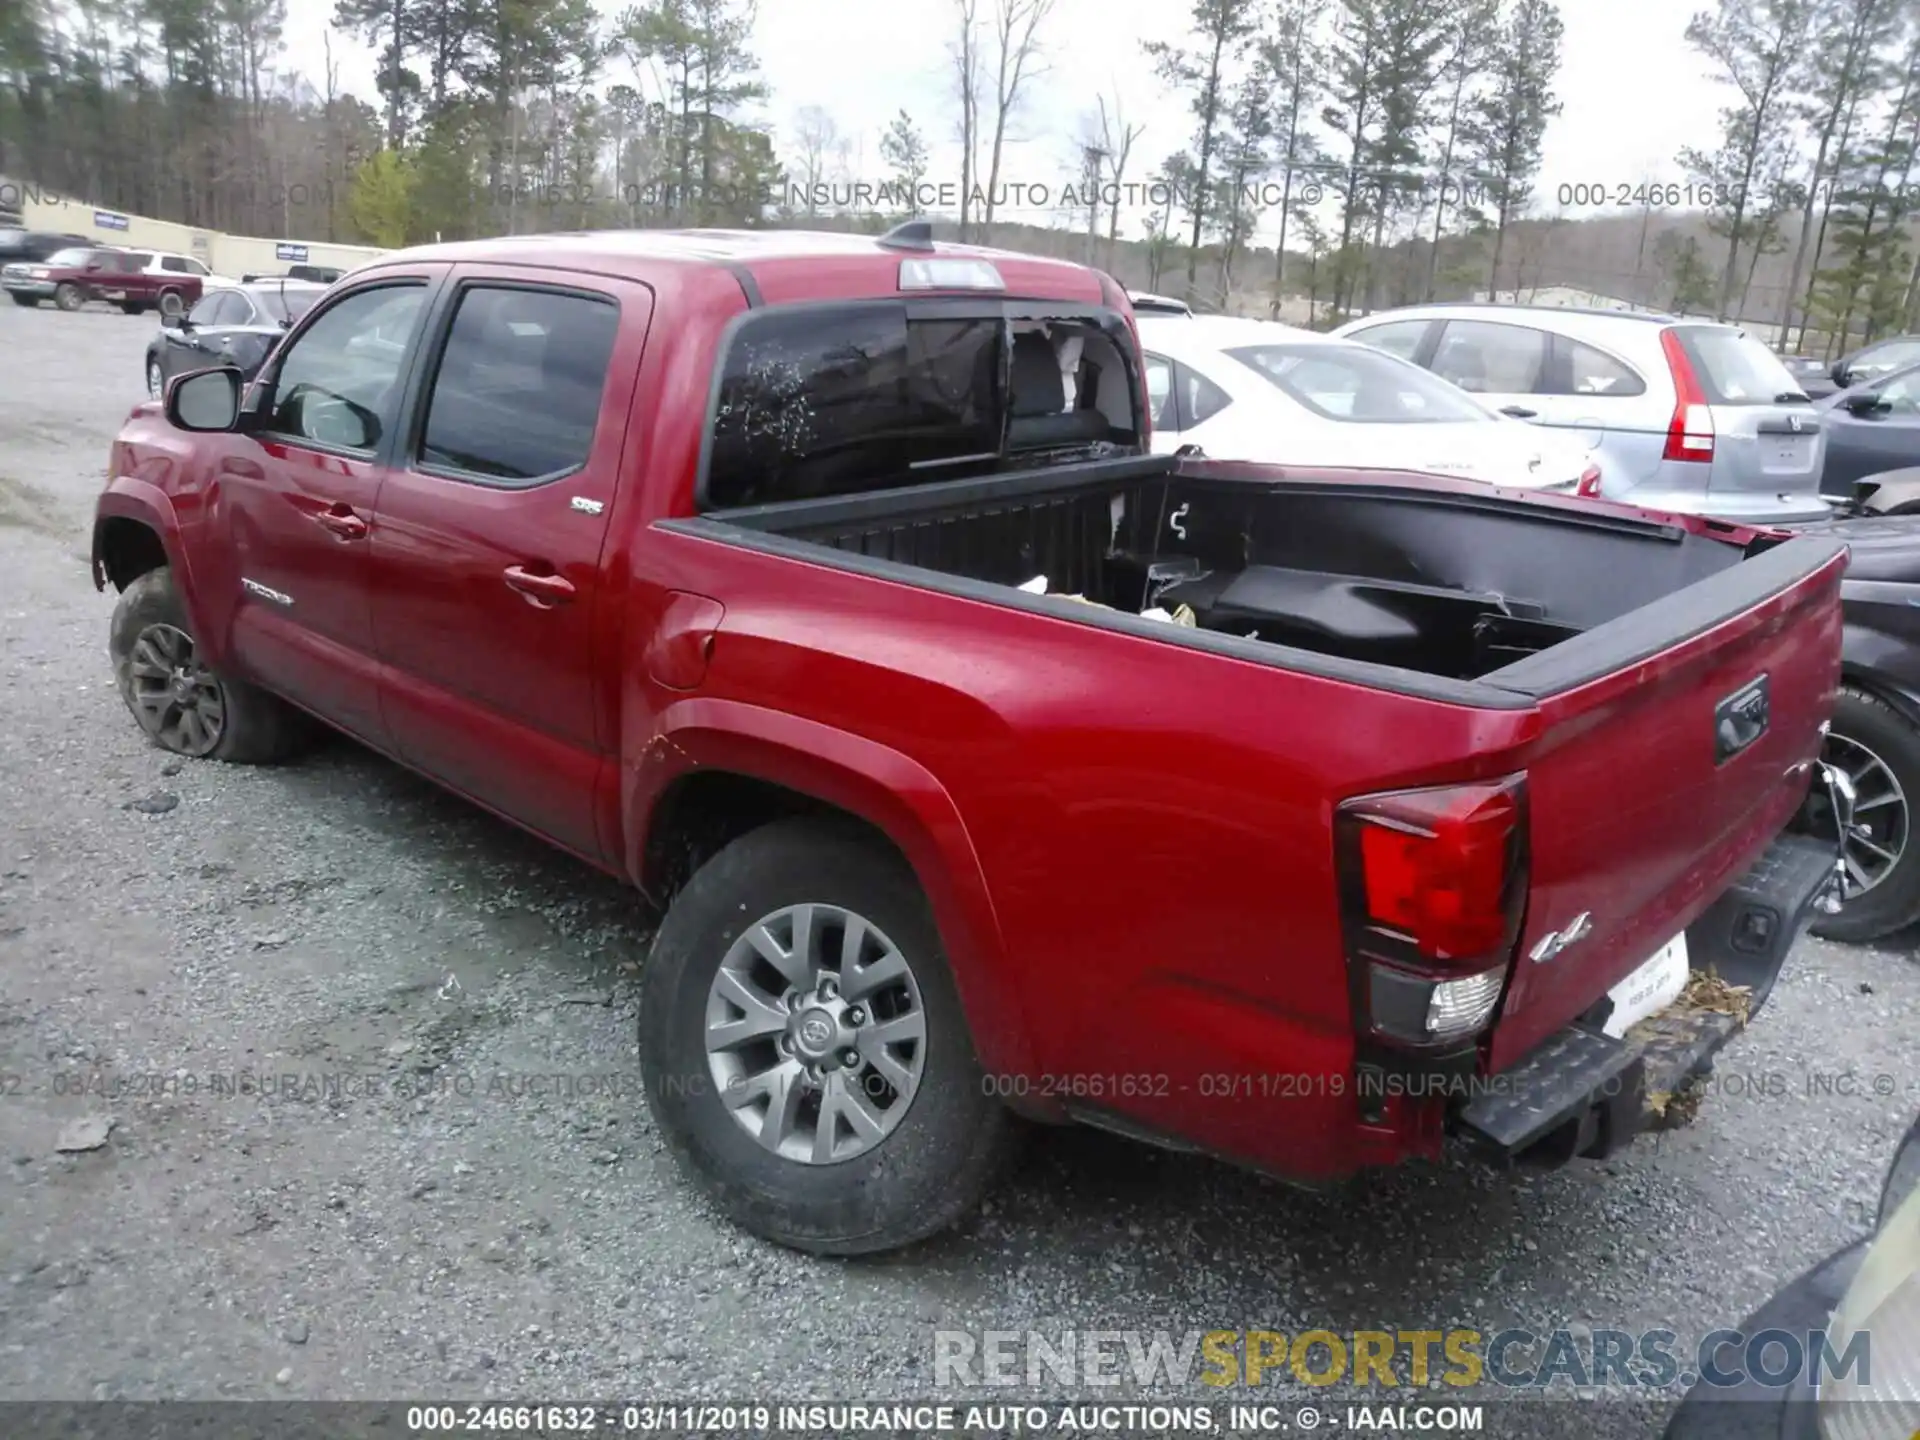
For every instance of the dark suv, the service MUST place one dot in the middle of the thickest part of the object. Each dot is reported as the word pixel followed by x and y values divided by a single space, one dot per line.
pixel 27 247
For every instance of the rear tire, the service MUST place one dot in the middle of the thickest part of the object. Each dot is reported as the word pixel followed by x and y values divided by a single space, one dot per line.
pixel 1874 742
pixel 920 1170
pixel 69 296
pixel 210 715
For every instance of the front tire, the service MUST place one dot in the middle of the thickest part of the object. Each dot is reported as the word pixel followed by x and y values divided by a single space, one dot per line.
pixel 171 304
pixel 1880 751
pixel 182 704
pixel 804 1049
pixel 69 296
pixel 155 384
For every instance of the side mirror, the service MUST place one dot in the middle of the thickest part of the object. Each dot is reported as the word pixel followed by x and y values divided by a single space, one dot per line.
pixel 207 401
pixel 1838 374
pixel 1865 403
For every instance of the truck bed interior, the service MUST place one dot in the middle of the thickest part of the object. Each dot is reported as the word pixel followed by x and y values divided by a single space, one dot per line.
pixel 1442 583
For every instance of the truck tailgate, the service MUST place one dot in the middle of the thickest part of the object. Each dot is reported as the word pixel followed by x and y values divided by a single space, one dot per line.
pixel 1675 743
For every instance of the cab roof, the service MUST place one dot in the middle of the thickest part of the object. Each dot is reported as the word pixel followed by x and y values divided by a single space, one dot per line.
pixel 779 265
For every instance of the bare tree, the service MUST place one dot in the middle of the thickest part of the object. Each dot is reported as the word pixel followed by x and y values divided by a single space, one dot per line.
pixel 1093 165
pixel 1017 59
pixel 817 135
pixel 329 131
pixel 1116 138
pixel 966 83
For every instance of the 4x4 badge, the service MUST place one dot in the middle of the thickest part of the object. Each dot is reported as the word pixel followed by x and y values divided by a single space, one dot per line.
pixel 1554 941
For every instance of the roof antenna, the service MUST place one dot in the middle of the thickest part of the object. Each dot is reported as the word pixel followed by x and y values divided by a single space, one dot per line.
pixel 909 235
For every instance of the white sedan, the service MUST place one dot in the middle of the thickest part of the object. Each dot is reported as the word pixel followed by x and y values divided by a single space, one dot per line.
pixel 1260 391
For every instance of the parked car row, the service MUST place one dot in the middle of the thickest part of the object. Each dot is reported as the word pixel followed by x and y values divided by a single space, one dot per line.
pixel 1687 416
pixel 135 280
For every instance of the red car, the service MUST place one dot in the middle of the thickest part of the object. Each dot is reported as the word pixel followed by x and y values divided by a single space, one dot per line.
pixel 982 762
pixel 134 280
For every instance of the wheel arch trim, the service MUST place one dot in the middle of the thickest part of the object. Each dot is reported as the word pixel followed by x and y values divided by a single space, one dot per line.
pixel 127 498
pixel 872 782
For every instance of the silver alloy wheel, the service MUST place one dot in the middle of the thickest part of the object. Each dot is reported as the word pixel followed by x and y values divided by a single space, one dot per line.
pixel 153 378
pixel 1873 845
pixel 815 1033
pixel 176 699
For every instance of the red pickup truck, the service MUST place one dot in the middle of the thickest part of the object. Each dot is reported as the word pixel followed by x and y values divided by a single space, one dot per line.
pixel 982 763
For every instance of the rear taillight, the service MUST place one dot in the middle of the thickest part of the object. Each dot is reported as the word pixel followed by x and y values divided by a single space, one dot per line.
pixel 1589 485
pixel 1434 886
pixel 1690 432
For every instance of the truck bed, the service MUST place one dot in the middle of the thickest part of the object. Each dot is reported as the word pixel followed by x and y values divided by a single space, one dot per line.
pixel 1386 583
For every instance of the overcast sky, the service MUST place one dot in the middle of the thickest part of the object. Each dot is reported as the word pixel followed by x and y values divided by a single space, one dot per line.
pixel 1634 91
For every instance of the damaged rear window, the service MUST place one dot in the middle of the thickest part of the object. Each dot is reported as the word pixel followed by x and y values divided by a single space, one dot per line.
pixel 832 402
pixel 823 400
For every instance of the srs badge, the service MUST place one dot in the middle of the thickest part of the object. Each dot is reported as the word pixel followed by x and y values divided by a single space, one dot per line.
pixel 1554 941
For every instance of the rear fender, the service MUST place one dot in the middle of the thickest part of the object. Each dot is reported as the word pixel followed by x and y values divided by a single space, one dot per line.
pixel 890 791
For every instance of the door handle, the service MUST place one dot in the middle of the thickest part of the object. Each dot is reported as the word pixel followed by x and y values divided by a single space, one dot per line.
pixel 543 590
pixel 343 522
pixel 1519 412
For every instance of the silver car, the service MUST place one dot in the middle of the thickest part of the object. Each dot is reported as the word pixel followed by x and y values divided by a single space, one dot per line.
pixel 1684 415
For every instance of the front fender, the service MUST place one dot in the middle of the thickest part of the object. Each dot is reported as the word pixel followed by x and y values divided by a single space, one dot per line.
pixel 129 498
pixel 889 790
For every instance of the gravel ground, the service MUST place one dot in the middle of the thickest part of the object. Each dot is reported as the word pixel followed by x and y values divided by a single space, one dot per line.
pixel 454 1225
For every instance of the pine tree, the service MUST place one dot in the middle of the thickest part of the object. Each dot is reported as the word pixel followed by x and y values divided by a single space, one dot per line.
pixel 1204 73
pixel 1507 128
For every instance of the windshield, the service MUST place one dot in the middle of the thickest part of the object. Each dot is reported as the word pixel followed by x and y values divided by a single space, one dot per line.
pixel 67 259
pixel 1361 384
pixel 1736 369
pixel 285 306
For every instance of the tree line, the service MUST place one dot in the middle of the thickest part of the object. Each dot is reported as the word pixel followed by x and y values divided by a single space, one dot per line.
pixel 1393 147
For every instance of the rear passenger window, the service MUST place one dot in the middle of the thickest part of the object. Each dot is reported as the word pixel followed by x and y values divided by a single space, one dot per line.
pixel 1901 394
pixel 1200 398
pixel 817 401
pixel 1592 372
pixel 1401 337
pixel 1490 358
pixel 814 405
pixel 517 393
pixel 1160 393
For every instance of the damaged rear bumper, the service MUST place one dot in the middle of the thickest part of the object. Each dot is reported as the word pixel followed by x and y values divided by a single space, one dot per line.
pixel 1584 1093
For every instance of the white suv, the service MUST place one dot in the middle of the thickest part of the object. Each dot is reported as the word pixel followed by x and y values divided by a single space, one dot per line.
pixel 1684 415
